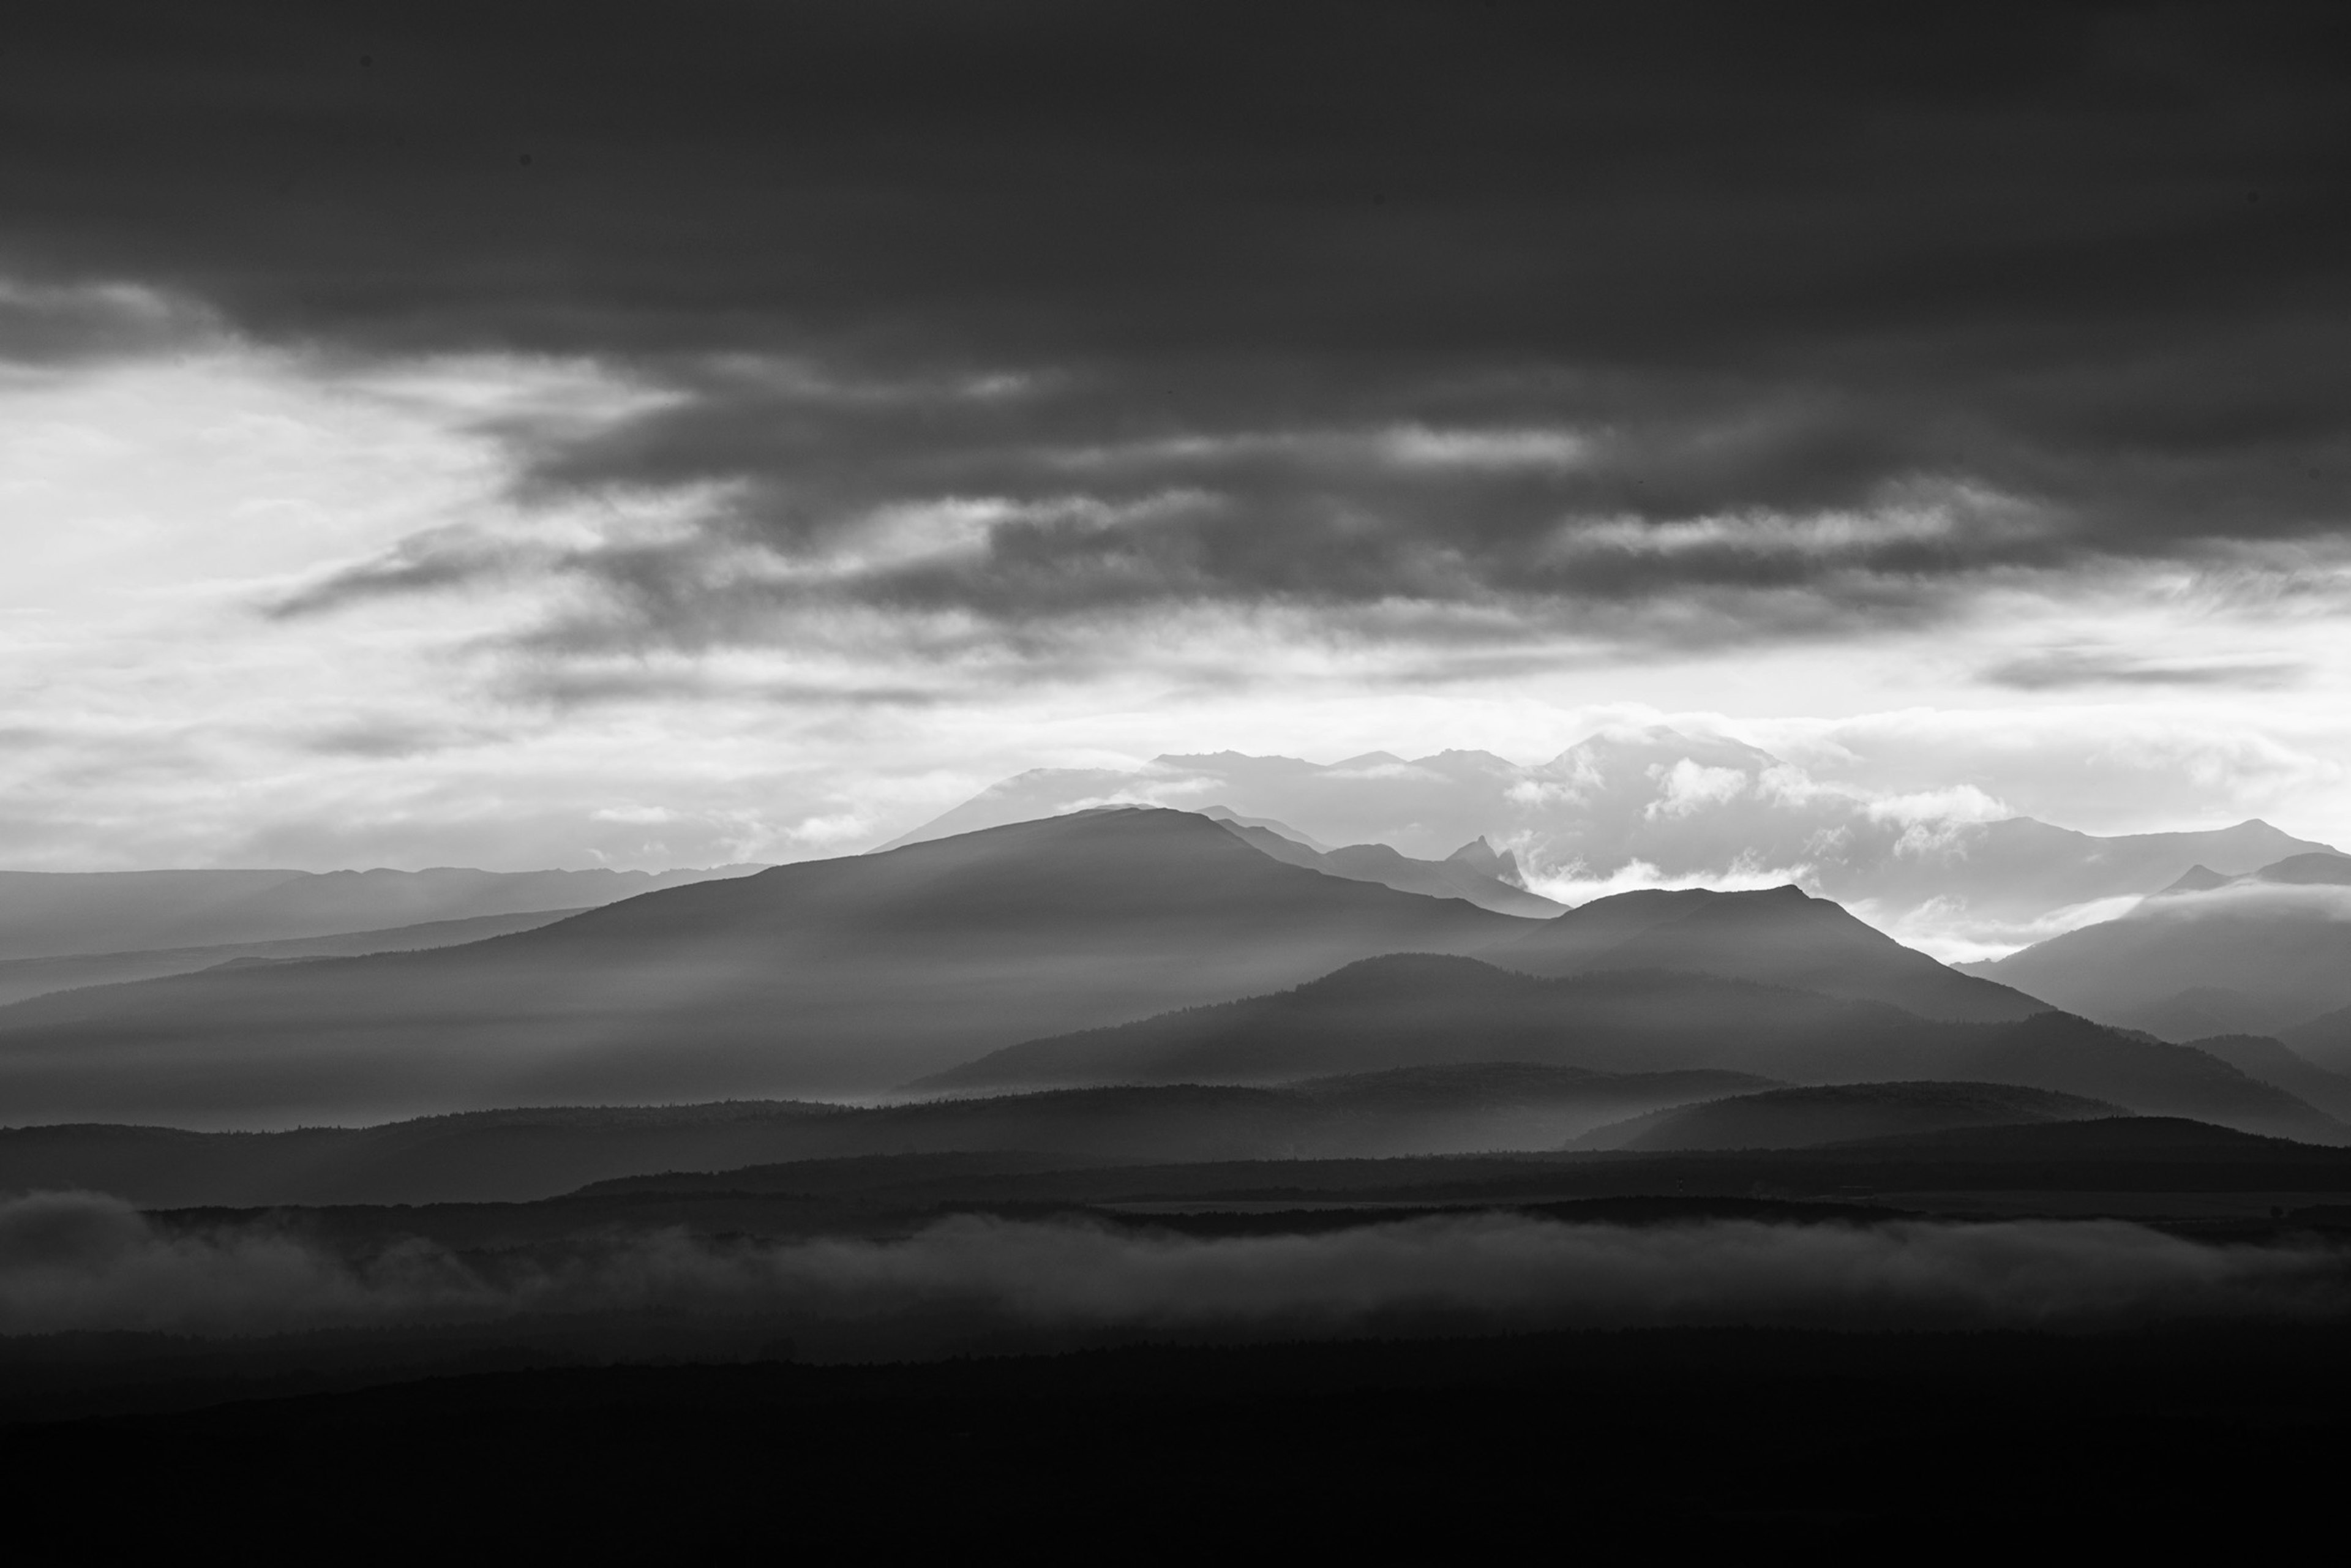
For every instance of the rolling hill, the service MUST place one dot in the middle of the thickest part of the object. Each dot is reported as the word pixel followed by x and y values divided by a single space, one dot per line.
pixel 1419 1009
pixel 518 1155
pixel 1802 1118
pixel 1779 936
pixel 838 977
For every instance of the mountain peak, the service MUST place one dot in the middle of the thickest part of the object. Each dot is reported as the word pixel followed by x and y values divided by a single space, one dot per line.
pixel 1483 857
pixel 2198 878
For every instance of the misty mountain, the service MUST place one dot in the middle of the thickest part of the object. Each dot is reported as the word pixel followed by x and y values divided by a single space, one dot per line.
pixel 517 1156
pixel 2325 1039
pixel 23 977
pixel 1660 805
pixel 1464 874
pixel 1420 1009
pixel 45 914
pixel 835 976
pixel 1778 936
pixel 2251 954
pixel 1801 1118
pixel 2274 1063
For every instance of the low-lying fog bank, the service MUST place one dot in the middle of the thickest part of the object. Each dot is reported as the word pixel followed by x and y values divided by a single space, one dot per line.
pixel 80 1261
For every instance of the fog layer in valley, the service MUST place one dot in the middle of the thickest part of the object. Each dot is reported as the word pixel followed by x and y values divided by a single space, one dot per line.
pixel 80 1261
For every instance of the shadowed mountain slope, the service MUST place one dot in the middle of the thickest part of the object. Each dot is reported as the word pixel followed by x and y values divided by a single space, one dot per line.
pixel 55 913
pixel 1418 1009
pixel 1801 1118
pixel 2258 954
pixel 828 975
pixel 1778 936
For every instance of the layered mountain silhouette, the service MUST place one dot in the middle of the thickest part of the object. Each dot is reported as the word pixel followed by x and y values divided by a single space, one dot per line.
pixel 1807 1117
pixel 1123 945
pixel 1656 804
pixel 839 976
pixel 23 977
pixel 2275 1063
pixel 45 914
pixel 1419 1009
pixel 1475 871
pixel 2259 953
pixel 1780 935
pixel 517 1156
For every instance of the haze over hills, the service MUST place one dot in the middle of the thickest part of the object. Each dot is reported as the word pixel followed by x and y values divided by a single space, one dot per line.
pixel 1806 1117
pixel 23 977
pixel 1778 935
pixel 1475 871
pixel 838 977
pixel 56 914
pixel 1660 806
pixel 1416 1009
pixel 2260 953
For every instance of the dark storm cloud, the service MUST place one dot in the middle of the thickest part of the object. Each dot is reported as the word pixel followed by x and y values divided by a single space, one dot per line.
pixel 1690 322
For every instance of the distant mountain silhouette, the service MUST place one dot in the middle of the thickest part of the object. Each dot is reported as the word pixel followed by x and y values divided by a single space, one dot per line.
pixel 2325 1039
pixel 1690 806
pixel 843 974
pixel 1779 936
pixel 1226 814
pixel 2259 954
pixel 1802 1118
pixel 1418 1010
pixel 23 977
pixel 1480 856
pixel 2273 1062
pixel 1457 876
pixel 45 914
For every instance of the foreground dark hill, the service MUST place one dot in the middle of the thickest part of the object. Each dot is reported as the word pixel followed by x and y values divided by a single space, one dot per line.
pixel 52 914
pixel 1835 1114
pixel 522 1154
pixel 826 976
pixel 2258 954
pixel 1414 1010
pixel 1779 937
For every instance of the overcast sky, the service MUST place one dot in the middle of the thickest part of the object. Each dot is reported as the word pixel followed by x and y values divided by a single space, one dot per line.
pixel 485 435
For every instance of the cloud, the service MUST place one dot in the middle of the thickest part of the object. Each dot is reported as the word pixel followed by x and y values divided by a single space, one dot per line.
pixel 2062 667
pixel 1689 787
pixel 80 1261
pixel 1681 327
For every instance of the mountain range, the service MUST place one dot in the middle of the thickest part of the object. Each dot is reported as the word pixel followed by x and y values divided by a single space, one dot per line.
pixel 1658 806
pixel 844 976
pixel 47 914
pixel 1120 948
pixel 2262 953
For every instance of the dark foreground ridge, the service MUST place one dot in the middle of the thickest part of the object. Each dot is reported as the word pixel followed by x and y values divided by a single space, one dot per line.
pixel 1654 1439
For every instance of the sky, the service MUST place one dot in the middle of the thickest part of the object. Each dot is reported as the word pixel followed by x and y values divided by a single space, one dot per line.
pixel 532 436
